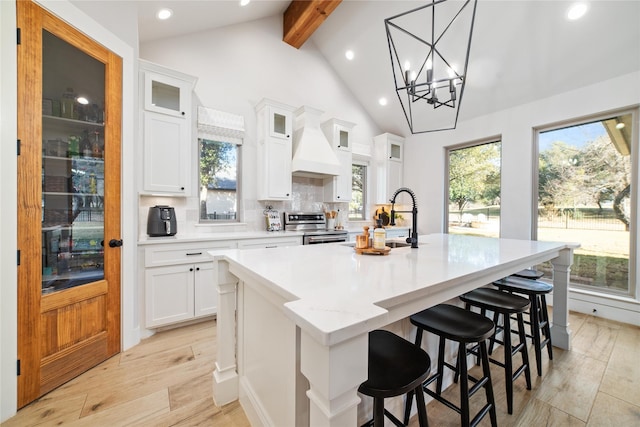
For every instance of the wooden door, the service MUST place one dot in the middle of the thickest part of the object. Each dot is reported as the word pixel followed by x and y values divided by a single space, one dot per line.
pixel 68 202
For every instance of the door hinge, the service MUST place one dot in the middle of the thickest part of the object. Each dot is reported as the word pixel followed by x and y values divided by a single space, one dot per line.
pixel 18 147
pixel 18 256
pixel 18 36
pixel 18 368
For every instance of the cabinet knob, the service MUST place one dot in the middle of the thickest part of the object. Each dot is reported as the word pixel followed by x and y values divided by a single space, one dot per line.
pixel 182 188
pixel 191 269
pixel 287 194
pixel 197 268
pixel 182 113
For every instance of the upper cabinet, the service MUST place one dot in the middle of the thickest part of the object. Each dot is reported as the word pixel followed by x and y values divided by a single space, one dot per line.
pixel 167 122
pixel 274 150
pixel 167 94
pixel 339 188
pixel 389 160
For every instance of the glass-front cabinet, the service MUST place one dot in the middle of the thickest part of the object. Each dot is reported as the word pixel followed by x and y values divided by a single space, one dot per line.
pixel 73 173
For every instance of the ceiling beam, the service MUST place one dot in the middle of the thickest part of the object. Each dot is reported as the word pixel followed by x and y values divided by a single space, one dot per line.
pixel 303 17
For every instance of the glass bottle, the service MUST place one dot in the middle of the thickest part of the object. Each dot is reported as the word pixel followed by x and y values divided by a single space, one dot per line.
pixel 85 145
pixel 96 151
pixel 66 105
pixel 74 146
pixel 379 236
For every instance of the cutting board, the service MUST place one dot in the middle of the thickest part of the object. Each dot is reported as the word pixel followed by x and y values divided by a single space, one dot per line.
pixel 372 251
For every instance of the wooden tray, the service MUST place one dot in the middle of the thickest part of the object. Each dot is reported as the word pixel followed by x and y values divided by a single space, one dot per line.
pixel 372 251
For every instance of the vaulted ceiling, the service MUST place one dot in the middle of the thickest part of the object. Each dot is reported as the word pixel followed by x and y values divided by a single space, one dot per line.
pixel 521 50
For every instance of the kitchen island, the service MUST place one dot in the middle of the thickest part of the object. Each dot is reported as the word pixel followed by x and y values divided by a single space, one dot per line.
pixel 293 322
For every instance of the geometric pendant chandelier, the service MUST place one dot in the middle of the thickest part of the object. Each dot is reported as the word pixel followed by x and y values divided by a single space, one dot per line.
pixel 429 49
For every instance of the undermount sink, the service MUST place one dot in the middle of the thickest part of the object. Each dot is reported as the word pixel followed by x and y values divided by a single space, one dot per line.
pixel 397 244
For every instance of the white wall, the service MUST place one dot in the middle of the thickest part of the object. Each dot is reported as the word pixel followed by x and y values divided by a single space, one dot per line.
pixel 236 67
pixel 425 167
pixel 125 18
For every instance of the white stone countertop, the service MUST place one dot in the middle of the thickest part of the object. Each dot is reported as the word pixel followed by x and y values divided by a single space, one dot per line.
pixel 335 293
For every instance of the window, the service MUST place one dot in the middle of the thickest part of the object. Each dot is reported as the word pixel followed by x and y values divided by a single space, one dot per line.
pixel 218 180
pixel 584 194
pixel 358 203
pixel 474 190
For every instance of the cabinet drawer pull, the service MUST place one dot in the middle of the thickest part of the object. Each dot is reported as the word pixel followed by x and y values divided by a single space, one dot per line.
pixel 269 247
pixel 193 253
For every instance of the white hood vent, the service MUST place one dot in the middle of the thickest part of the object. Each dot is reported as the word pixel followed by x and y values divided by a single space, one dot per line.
pixel 312 154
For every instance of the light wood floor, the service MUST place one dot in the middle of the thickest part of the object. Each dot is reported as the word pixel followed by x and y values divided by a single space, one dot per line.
pixel 166 381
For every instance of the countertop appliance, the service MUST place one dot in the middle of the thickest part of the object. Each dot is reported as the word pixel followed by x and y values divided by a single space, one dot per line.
pixel 161 221
pixel 314 227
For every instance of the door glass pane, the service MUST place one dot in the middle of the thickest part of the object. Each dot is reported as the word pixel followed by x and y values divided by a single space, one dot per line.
pixel 165 96
pixel 474 190
pixel 584 195
pixel 73 87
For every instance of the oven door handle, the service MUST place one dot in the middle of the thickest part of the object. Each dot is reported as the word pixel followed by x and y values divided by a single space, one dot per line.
pixel 325 239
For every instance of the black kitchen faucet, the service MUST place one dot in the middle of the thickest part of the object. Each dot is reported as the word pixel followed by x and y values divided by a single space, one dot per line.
pixel 414 223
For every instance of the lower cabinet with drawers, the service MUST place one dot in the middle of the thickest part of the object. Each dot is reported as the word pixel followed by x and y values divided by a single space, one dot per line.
pixel 180 278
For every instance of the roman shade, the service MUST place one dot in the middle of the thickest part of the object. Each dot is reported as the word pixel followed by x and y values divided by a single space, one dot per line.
pixel 220 126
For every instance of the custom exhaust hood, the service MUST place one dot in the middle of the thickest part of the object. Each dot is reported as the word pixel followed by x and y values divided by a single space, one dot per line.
pixel 313 156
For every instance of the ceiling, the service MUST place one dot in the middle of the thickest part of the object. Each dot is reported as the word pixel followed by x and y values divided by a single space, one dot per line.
pixel 521 50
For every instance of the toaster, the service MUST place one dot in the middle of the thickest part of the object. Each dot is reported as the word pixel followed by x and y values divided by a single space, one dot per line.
pixel 161 221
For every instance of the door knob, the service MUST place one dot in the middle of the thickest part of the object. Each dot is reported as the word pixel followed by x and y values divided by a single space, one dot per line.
pixel 114 243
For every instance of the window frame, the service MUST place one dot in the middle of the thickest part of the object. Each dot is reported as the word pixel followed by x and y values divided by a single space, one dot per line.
pixel 356 160
pixel 237 219
pixel 447 154
pixel 634 256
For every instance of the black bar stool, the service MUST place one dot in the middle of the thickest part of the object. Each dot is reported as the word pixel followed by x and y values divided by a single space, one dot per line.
pixel 504 305
pixel 396 367
pixel 464 327
pixel 536 291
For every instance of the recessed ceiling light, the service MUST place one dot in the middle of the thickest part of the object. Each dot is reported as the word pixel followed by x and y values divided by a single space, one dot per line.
pixel 244 2
pixel 164 14
pixel 620 126
pixel 577 11
pixel 349 55
pixel 382 101
pixel 82 100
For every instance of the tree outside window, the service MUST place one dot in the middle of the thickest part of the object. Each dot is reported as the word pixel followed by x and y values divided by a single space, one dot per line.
pixel 358 203
pixel 584 195
pixel 474 190
pixel 218 181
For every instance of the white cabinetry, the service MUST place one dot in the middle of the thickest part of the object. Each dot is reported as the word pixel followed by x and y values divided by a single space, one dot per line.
pixel 389 158
pixel 338 188
pixel 167 129
pixel 275 121
pixel 180 282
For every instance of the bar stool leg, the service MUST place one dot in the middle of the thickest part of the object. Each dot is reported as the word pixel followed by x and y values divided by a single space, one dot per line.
pixel 440 365
pixel 546 329
pixel 508 364
pixel 422 408
pixel 522 333
pixel 535 331
pixel 489 386
pixel 464 387
pixel 378 412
